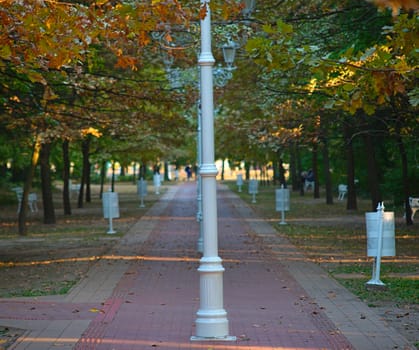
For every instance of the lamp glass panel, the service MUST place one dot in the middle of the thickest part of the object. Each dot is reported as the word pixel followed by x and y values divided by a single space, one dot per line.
pixel 229 53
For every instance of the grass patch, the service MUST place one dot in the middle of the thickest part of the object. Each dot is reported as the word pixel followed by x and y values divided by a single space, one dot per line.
pixel 336 239
pixel 399 291
pixel 50 288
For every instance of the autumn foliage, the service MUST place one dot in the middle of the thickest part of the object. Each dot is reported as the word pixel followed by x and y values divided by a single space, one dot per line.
pixel 396 5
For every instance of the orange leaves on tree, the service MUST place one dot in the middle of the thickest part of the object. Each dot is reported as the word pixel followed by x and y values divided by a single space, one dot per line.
pixel 388 84
pixel 396 5
pixel 203 11
pixel 91 131
pixel 127 62
pixel 143 38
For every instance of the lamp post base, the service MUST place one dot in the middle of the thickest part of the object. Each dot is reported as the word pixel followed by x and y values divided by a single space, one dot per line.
pixel 375 282
pixel 212 326
pixel 226 338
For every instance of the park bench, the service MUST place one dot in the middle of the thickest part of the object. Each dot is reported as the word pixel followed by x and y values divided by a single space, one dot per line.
pixel 414 205
pixel 32 199
pixel 342 189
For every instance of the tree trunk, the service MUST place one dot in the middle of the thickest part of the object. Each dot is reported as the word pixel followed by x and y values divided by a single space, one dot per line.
pixel 46 183
pixel 102 177
pixel 222 169
pixel 299 182
pixel 113 177
pixel 327 176
pixel 66 178
pixel 405 178
pixel 23 212
pixel 87 169
pixel 134 173
pixel 166 170
pixel 351 203
pixel 281 172
pixel 247 170
pixel 373 179
pixel 85 154
pixel 293 167
pixel 316 191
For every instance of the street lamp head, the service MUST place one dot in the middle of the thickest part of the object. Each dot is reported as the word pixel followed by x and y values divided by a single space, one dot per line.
pixel 229 53
pixel 249 6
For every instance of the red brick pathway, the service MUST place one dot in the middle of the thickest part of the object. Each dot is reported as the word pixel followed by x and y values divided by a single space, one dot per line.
pixel 148 297
pixel 155 302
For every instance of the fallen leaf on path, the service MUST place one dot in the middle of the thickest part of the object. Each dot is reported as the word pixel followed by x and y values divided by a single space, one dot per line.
pixel 93 309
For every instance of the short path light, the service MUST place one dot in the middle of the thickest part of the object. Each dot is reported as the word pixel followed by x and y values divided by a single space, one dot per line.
pixel 282 196
pixel 380 240
pixel 110 206
pixel 142 191
pixel 239 181
pixel 253 189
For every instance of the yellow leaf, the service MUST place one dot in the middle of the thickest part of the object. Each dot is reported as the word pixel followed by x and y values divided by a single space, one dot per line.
pixel 93 309
pixel 49 94
pixel 5 52
pixel 36 77
pixel 48 23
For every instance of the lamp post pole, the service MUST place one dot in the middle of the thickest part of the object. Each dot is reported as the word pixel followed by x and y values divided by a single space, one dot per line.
pixel 211 322
pixel 200 243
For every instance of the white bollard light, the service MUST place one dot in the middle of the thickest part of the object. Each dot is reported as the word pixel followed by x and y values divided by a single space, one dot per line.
pixel 142 191
pixel 253 189
pixel 380 240
pixel 239 181
pixel 157 183
pixel 110 208
pixel 282 197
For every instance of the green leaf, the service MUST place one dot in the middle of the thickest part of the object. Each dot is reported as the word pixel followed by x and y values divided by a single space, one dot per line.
pixel 348 87
pixel 267 28
pixel 284 28
pixel 5 52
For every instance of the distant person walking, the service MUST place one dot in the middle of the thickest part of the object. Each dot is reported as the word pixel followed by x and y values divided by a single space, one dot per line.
pixel 309 181
pixel 188 171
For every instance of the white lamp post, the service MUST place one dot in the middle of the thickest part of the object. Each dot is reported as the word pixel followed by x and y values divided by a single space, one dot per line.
pixel 220 78
pixel 211 322
pixel 200 243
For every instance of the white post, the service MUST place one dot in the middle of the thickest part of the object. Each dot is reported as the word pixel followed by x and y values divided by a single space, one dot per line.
pixel 211 322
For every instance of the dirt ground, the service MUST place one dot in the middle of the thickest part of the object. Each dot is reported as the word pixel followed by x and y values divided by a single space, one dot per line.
pixel 52 264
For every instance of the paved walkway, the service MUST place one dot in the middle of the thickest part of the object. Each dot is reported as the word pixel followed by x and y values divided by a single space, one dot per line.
pixel 145 293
